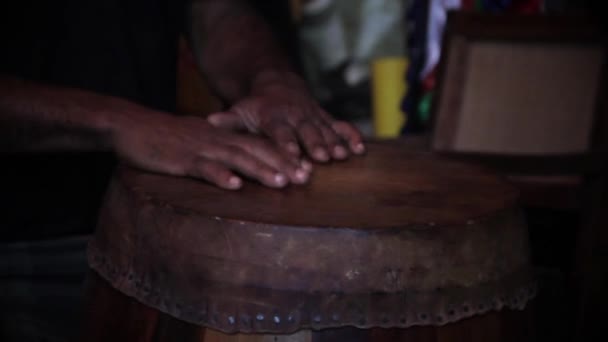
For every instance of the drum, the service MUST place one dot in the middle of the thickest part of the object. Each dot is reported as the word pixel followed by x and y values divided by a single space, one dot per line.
pixel 390 246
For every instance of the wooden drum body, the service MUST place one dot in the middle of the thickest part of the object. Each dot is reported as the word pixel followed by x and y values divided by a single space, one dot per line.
pixel 389 240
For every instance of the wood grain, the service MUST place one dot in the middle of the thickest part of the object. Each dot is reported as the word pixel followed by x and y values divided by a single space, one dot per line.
pixel 403 188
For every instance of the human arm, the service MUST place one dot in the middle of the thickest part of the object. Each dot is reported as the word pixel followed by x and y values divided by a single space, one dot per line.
pixel 37 117
pixel 236 52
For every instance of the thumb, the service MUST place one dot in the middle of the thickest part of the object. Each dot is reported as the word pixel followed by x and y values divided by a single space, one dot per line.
pixel 227 120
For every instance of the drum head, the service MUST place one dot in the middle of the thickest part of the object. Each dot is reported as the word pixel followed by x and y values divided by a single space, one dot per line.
pixel 387 188
pixel 390 239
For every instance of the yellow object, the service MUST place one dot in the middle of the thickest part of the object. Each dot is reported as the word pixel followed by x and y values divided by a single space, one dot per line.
pixel 388 89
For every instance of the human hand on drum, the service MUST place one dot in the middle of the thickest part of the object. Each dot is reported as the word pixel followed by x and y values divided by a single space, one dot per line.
pixel 280 108
pixel 190 146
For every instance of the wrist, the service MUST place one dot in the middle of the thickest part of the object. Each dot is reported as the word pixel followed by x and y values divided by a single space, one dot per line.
pixel 271 79
pixel 120 118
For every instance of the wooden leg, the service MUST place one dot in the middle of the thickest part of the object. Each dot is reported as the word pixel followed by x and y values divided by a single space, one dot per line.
pixel 591 266
pixel 505 326
pixel 215 336
pixel 111 316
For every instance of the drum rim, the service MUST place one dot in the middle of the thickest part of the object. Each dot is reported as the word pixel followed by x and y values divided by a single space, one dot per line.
pixel 326 310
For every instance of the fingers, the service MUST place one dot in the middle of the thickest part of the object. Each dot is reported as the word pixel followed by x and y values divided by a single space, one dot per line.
pixel 333 143
pixel 297 172
pixel 322 137
pixel 349 134
pixel 321 141
pixel 192 147
pixel 294 129
pixel 255 159
pixel 215 173
pixel 284 136
pixel 239 160
pixel 226 120
pixel 312 138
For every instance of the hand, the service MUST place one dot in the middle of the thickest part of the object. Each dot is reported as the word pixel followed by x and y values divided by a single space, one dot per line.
pixel 189 146
pixel 287 114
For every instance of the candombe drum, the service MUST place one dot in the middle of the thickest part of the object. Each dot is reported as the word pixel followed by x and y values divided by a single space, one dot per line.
pixel 391 246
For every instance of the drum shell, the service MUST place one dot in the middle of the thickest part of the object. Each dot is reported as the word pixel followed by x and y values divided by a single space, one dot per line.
pixel 458 249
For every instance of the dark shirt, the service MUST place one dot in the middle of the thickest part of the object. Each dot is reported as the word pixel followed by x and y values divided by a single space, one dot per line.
pixel 124 48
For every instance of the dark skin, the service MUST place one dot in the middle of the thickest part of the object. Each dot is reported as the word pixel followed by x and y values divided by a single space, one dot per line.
pixel 272 100
pixel 266 97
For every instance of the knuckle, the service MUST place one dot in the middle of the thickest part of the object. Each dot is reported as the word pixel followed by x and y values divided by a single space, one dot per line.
pixel 212 171
pixel 199 170
pixel 244 161
pixel 329 134
pixel 232 152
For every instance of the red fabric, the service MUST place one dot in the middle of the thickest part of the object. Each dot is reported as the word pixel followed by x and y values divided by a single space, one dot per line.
pixel 428 83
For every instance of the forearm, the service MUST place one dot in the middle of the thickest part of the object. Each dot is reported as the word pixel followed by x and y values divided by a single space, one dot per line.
pixel 235 48
pixel 36 117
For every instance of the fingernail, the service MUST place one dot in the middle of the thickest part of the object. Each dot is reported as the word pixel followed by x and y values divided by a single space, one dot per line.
pixel 359 148
pixel 214 120
pixel 235 182
pixel 340 152
pixel 306 165
pixel 321 154
pixel 301 176
pixel 280 179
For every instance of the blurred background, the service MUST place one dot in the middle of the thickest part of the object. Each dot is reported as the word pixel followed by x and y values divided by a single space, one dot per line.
pixel 361 57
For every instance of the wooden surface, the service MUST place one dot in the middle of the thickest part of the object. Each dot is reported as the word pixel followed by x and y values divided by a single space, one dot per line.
pixel 403 188
pixel 112 316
